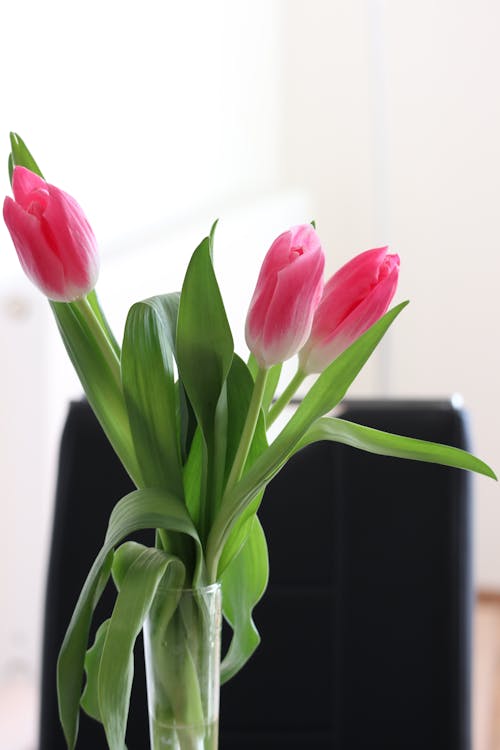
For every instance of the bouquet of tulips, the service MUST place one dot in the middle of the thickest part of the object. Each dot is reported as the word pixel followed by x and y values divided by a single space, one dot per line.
pixel 188 418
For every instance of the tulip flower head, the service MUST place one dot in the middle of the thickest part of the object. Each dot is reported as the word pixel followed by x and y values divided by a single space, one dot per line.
pixel 53 239
pixel 288 291
pixel 353 299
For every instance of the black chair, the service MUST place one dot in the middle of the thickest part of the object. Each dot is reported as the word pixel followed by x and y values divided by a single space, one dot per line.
pixel 366 625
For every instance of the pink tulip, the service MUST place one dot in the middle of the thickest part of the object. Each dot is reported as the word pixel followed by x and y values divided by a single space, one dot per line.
pixel 288 291
pixel 354 298
pixel 53 239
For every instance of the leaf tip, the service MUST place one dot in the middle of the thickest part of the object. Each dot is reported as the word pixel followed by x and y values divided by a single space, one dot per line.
pixel 490 473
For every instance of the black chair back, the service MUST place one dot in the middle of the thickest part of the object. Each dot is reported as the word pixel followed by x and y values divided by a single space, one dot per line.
pixel 366 625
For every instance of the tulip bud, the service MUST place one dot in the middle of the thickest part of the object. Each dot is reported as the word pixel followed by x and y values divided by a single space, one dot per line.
pixel 53 239
pixel 353 299
pixel 287 293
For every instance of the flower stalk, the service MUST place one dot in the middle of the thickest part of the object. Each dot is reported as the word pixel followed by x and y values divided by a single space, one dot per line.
pixel 249 428
pixel 285 398
pixel 100 338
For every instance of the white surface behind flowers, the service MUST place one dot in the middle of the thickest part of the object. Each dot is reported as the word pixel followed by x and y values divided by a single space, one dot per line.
pixel 378 118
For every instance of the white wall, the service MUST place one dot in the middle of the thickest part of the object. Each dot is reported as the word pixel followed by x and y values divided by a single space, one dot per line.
pixel 445 196
pixel 391 119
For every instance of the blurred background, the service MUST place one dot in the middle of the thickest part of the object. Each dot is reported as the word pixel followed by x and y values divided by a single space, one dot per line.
pixel 377 118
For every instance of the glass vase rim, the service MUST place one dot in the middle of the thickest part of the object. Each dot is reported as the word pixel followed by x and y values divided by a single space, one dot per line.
pixel 208 589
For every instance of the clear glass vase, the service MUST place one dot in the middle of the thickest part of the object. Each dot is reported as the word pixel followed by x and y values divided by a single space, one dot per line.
pixel 182 655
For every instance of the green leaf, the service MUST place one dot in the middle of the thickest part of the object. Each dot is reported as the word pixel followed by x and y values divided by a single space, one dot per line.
pixel 239 533
pixel 239 393
pixel 272 381
pixel 21 157
pixel 216 471
pixel 195 477
pixel 239 390
pixel 99 313
pixel 204 351
pixel 187 422
pixel 251 566
pixel 141 509
pixel 204 342
pixel 387 444
pixel 142 569
pixel 253 365
pixel 211 238
pixel 147 368
pixel 100 380
pixel 90 700
pixel 323 396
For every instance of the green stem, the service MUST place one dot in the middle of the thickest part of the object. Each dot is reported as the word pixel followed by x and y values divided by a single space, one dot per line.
pixel 93 301
pixel 285 397
pixel 100 337
pixel 248 429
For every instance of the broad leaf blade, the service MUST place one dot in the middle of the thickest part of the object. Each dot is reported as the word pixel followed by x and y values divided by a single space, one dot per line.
pixel 251 566
pixel 239 393
pixel 195 477
pixel 239 533
pixel 387 444
pixel 204 342
pixel 146 568
pixel 150 391
pixel 90 697
pixel 204 351
pixel 187 422
pixel 100 384
pixel 141 509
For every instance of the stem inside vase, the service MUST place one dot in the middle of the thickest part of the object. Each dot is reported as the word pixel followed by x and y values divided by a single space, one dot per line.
pixel 182 654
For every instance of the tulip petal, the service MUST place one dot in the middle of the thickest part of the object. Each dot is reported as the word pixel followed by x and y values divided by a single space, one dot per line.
pixel 259 306
pixel 370 309
pixel 362 271
pixel 287 293
pixel 69 233
pixel 354 298
pixel 24 182
pixel 291 310
pixel 357 322
pixel 53 239
pixel 276 257
pixel 346 289
pixel 37 259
